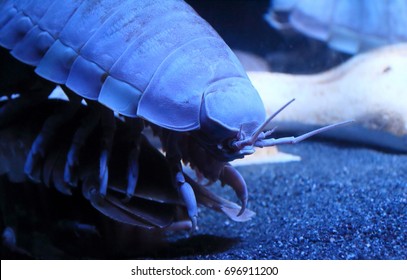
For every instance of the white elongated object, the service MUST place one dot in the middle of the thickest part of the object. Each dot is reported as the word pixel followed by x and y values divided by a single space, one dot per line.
pixel 371 88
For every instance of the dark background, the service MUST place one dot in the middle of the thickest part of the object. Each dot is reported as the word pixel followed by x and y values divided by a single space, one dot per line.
pixel 339 202
pixel 242 25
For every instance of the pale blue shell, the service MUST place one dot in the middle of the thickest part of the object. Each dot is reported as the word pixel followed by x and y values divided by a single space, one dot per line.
pixel 349 26
pixel 146 58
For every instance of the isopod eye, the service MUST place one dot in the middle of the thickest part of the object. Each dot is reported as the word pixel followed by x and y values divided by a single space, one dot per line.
pixel 225 146
pixel 228 144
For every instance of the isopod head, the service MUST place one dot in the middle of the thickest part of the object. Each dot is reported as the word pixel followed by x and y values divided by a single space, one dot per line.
pixel 232 125
pixel 231 110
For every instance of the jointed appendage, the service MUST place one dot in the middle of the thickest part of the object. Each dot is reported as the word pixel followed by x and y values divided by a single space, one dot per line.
pixel 87 126
pixel 231 177
pixel 47 134
pixel 108 127
pixel 173 156
pixel 100 115
pixel 260 138
pixel 136 126
pixel 267 142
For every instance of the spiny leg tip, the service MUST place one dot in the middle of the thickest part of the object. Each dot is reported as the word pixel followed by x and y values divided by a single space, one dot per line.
pixel 242 210
pixel 194 226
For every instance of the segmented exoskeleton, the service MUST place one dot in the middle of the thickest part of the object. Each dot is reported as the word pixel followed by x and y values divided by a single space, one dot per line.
pixel 155 62
pixel 153 205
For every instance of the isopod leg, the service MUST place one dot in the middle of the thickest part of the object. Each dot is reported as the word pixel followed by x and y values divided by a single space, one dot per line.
pixel 88 124
pixel 37 152
pixel 183 187
pixel 230 176
pixel 9 242
pixel 79 229
pixel 108 128
pixel 188 196
pixel 135 129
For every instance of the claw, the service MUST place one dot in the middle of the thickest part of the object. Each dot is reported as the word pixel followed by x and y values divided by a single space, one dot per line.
pixel 135 128
pixel 32 165
pixel 132 173
pixel 108 126
pixel 230 176
pixel 132 178
pixel 81 135
pixel 188 196
pixel 70 170
pixel 103 172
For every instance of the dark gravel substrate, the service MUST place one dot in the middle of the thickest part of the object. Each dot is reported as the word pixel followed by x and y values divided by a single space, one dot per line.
pixel 337 203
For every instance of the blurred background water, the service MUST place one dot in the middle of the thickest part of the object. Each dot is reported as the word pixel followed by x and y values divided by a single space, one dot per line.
pixel 305 36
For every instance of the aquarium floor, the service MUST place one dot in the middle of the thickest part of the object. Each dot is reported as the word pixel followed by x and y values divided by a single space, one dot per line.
pixel 338 202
